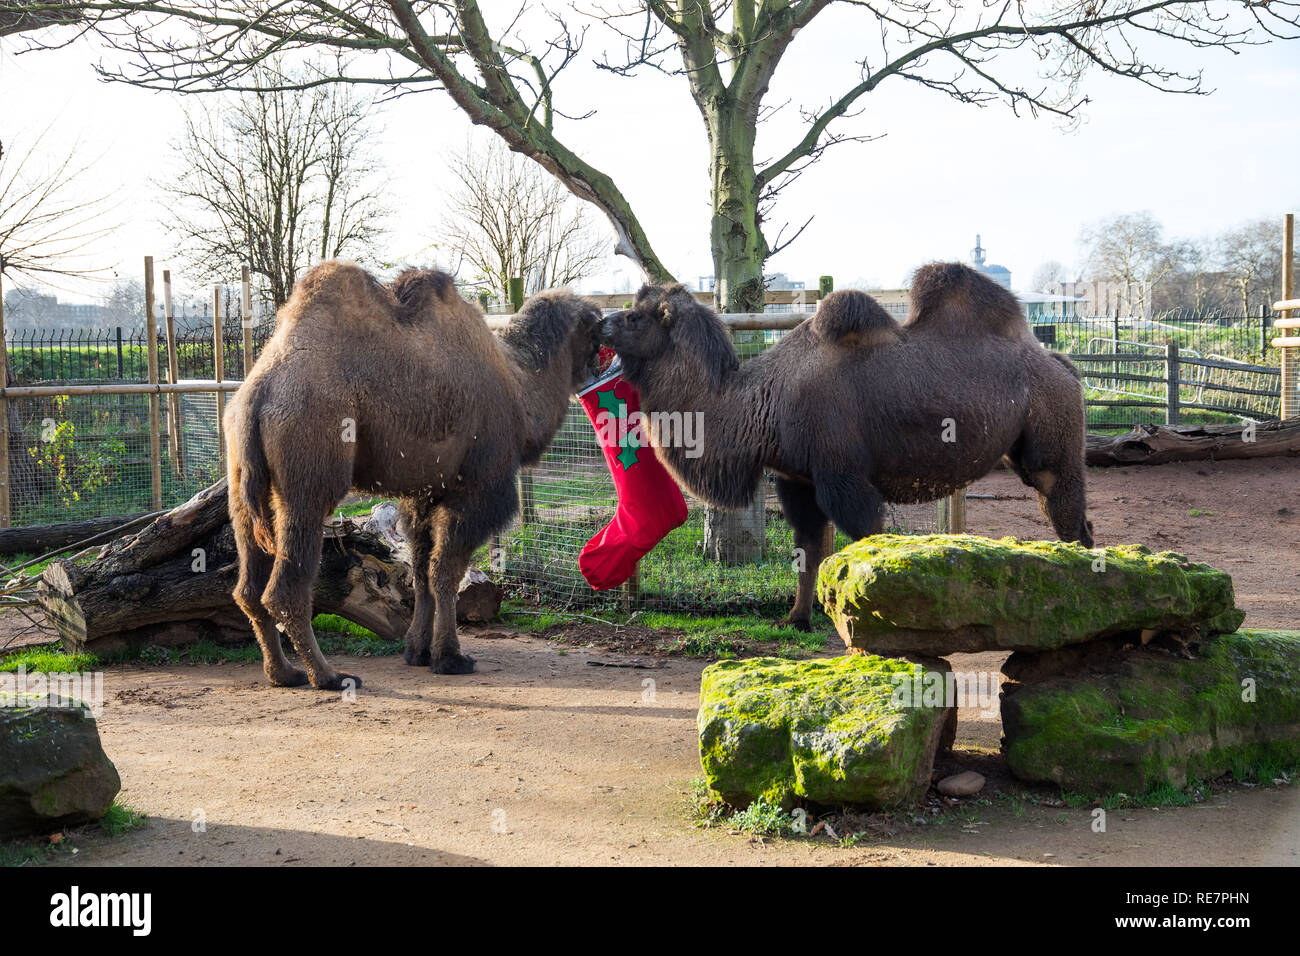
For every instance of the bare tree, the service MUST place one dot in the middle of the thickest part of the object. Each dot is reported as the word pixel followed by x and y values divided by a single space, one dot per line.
pixel 1128 249
pixel 1252 258
pixel 501 71
pixel 1196 283
pixel 506 218
pixel 278 179
pixel 1048 277
pixel 48 218
pixel 21 16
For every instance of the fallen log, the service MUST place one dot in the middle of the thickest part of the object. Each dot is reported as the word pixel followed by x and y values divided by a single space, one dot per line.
pixel 170 582
pixel 44 538
pixel 1160 444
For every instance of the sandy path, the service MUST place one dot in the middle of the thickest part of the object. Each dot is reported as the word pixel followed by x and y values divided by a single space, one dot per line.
pixel 576 768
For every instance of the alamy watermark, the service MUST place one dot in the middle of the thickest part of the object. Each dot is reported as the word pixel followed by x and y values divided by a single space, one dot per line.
pixel 977 690
pixel 670 429
pixel 83 689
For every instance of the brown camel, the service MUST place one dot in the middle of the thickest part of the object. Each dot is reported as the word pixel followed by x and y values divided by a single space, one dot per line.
pixel 400 391
pixel 851 409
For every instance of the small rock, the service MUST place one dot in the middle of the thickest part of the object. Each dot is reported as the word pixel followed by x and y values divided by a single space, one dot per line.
pixel 964 784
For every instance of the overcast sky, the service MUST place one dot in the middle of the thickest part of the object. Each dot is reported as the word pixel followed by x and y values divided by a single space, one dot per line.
pixel 941 173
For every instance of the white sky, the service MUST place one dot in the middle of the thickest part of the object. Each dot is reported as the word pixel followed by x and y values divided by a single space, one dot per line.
pixel 943 172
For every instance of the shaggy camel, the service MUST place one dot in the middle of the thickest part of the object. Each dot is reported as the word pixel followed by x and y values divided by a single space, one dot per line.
pixel 851 409
pixel 404 392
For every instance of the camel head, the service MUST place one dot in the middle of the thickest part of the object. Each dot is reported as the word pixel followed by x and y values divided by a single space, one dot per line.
pixel 558 327
pixel 668 336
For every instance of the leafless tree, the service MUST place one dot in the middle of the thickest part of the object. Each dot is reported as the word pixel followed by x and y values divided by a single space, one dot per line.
pixel 506 217
pixel 1048 277
pixel 277 178
pixel 50 214
pixel 1251 255
pixel 1128 249
pixel 501 70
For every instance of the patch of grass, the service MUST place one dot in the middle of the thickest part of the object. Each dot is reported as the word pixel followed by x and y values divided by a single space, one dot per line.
pixel 759 817
pixel 338 635
pixel 120 819
pixel 702 645
pixel 200 652
pixel 360 507
pixel 30 851
pixel 46 660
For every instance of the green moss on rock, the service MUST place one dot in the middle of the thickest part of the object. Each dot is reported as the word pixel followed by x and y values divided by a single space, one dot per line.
pixel 1154 720
pixel 943 594
pixel 828 731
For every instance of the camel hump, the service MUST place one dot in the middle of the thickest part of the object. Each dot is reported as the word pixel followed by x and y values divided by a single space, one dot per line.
pixel 955 297
pixel 852 318
pixel 340 284
pixel 417 289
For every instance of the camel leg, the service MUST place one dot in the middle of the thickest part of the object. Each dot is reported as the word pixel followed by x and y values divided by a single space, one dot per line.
pixel 416 528
pixel 851 502
pixel 799 505
pixel 288 594
pixel 1059 480
pixel 254 572
pixel 459 528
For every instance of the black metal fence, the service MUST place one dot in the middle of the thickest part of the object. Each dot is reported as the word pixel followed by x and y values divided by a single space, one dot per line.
pixel 122 355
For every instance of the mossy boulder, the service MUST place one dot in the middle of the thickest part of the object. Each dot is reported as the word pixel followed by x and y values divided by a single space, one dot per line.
pixel 859 729
pixel 53 771
pixel 942 594
pixel 1151 719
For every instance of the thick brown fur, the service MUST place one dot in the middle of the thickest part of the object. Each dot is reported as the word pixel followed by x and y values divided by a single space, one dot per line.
pixel 401 391
pixel 850 413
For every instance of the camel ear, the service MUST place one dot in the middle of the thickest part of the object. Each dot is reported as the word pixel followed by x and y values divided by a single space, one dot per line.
pixel 666 313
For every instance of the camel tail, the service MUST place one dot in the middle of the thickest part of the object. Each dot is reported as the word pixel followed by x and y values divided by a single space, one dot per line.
pixel 254 473
pixel 850 317
pixel 956 298
pixel 416 289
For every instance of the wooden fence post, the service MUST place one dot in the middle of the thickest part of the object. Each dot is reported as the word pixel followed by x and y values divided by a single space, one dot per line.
pixel 1172 376
pixel 4 411
pixel 219 371
pixel 516 293
pixel 246 319
pixel 151 335
pixel 175 446
pixel 1290 388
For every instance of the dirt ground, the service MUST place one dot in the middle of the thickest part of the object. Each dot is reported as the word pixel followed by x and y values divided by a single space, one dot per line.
pixel 542 758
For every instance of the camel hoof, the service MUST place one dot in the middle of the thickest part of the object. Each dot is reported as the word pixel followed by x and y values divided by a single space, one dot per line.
pixel 417 658
pixel 798 623
pixel 339 682
pixel 453 664
pixel 292 677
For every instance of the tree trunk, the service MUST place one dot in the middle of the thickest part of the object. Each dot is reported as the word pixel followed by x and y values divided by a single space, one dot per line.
pixel 739 251
pixel 1160 444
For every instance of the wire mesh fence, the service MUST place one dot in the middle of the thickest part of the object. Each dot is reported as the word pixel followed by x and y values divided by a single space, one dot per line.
pixel 89 456
pixel 569 497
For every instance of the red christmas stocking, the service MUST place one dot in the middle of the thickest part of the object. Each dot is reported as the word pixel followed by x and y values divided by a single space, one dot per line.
pixel 649 502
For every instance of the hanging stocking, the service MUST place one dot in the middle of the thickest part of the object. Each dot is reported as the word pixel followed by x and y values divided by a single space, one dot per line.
pixel 649 502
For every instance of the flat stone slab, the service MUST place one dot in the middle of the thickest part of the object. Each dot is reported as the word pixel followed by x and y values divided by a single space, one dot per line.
pixel 53 771
pixel 840 730
pixel 934 595
pixel 1153 719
